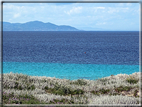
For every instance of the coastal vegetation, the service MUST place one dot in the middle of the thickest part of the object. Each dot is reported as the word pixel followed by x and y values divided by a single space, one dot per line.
pixel 115 89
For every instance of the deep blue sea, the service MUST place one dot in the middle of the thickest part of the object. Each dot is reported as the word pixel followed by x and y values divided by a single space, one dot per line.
pixel 71 54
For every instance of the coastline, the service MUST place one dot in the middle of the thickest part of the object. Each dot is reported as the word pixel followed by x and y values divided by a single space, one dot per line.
pixel 68 71
pixel 115 89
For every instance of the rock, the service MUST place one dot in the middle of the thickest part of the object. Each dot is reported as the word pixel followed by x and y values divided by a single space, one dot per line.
pixel 138 93
pixel 123 93
pixel 130 95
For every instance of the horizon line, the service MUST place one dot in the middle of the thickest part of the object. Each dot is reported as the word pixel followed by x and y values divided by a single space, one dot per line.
pixel 63 25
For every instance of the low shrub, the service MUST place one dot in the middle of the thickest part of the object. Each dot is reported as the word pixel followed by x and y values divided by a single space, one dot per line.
pixel 44 80
pixel 79 82
pixel 78 91
pixel 123 88
pixel 101 91
pixel 114 94
pixel 135 93
pixel 62 101
pixel 95 92
pixel 65 101
pixel 30 87
pixel 103 80
pixel 118 99
pixel 17 86
pixel 10 98
pixel 132 80
pixel 104 91
pixel 62 90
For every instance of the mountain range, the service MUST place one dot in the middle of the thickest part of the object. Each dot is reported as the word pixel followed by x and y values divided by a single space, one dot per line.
pixel 36 26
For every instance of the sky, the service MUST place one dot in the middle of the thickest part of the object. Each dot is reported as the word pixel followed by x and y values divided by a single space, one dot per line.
pixel 83 16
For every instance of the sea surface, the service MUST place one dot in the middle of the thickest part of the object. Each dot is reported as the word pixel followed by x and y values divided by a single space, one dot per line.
pixel 71 54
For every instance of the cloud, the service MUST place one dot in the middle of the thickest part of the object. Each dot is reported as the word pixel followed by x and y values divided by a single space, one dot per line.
pixel 79 15
pixel 121 4
pixel 99 7
pixel 74 10
pixel 102 23
pixel 16 15
pixel 128 4
pixel 7 6
pixel 117 9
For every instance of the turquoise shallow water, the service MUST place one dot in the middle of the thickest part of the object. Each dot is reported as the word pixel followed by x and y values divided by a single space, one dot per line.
pixel 68 71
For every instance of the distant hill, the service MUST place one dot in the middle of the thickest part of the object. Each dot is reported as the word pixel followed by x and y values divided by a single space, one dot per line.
pixel 36 26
